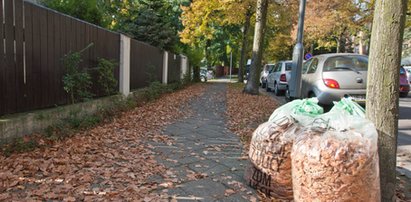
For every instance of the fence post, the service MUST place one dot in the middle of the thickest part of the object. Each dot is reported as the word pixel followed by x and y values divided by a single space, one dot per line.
pixel 124 65
pixel 165 67
pixel 184 66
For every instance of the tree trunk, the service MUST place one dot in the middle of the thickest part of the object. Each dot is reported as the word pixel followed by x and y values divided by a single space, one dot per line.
pixel 258 46
pixel 196 74
pixel 243 58
pixel 383 86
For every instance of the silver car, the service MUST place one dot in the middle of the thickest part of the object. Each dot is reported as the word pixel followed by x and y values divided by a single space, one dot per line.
pixel 279 76
pixel 330 77
pixel 264 74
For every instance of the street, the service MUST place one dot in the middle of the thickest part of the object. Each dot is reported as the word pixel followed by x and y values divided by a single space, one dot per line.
pixel 404 137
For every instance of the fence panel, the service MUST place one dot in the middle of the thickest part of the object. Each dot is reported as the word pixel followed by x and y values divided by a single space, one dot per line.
pixel 11 90
pixel 146 64
pixel 2 62
pixel 33 41
pixel 36 39
pixel 174 67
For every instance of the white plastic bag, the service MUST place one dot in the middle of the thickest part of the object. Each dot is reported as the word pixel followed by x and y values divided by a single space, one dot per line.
pixel 336 158
pixel 271 146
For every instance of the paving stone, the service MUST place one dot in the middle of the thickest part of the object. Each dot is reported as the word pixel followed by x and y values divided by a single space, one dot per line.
pixel 203 145
pixel 207 189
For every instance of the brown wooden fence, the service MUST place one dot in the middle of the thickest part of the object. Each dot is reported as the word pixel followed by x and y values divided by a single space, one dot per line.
pixel 146 64
pixel 174 67
pixel 31 50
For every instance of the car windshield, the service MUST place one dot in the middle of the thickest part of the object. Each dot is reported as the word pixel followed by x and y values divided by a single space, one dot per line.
pixel 346 63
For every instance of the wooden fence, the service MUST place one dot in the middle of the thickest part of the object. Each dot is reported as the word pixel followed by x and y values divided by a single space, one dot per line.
pixel 146 64
pixel 31 54
pixel 174 64
pixel 33 41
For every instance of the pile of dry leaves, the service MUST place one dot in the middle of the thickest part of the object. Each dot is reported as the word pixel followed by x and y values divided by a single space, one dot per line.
pixel 108 162
pixel 246 112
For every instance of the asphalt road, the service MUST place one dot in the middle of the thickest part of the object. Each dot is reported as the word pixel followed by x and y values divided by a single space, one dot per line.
pixel 404 124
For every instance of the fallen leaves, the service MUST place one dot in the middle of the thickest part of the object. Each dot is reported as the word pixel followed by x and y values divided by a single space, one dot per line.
pixel 245 112
pixel 229 192
pixel 110 162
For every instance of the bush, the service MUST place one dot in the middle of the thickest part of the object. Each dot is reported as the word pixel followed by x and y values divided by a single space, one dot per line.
pixel 106 77
pixel 77 82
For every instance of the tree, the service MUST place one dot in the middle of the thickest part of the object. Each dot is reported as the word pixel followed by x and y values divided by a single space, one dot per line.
pixel 84 10
pixel 329 24
pixel 383 86
pixel 261 19
pixel 244 46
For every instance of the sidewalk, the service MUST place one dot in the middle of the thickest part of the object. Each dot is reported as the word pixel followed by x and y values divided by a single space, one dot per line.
pixel 203 160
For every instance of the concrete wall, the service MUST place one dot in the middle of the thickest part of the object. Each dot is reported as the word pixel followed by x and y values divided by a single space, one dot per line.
pixel 18 125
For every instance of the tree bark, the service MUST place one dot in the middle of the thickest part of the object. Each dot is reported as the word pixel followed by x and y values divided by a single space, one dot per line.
pixel 258 46
pixel 243 58
pixel 383 86
pixel 196 74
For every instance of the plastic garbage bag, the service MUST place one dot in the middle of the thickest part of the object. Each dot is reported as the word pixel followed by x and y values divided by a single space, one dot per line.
pixel 336 157
pixel 301 110
pixel 271 146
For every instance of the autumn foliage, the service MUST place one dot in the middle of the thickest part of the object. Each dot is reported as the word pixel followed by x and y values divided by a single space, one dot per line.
pixel 109 162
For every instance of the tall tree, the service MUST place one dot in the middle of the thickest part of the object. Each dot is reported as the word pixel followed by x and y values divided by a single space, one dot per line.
pixel 258 46
pixel 84 10
pixel 383 86
pixel 244 44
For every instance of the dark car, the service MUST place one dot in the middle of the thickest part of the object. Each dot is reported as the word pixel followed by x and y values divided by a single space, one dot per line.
pixel 404 83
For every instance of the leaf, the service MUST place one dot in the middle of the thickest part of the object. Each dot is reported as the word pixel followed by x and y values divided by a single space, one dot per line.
pixel 229 192
pixel 69 199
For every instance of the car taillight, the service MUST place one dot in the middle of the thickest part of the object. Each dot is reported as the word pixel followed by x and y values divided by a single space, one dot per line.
pixel 331 83
pixel 283 78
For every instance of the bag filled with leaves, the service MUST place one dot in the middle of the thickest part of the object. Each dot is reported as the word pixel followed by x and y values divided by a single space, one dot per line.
pixel 336 157
pixel 271 146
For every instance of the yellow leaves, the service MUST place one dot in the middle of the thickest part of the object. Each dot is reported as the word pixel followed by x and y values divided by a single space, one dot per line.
pixel 202 17
pixel 327 19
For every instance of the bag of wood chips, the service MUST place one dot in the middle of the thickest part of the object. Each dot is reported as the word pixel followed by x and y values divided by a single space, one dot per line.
pixel 271 146
pixel 336 158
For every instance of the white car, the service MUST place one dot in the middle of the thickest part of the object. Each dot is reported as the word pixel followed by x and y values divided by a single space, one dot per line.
pixel 277 79
pixel 408 69
pixel 264 74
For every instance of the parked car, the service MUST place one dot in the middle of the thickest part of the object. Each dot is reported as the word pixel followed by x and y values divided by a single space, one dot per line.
pixel 404 83
pixel 203 75
pixel 264 74
pixel 277 79
pixel 408 69
pixel 330 77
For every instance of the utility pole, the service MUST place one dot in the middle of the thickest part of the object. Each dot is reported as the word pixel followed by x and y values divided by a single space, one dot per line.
pixel 294 87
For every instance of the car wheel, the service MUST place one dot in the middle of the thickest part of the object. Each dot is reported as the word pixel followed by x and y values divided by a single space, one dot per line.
pixel 288 97
pixel 276 90
pixel 264 84
pixel 311 95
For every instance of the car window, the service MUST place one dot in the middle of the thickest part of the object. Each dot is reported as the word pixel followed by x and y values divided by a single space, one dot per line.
pixel 346 63
pixel 402 70
pixel 305 66
pixel 313 66
pixel 270 68
pixel 277 67
pixel 288 66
